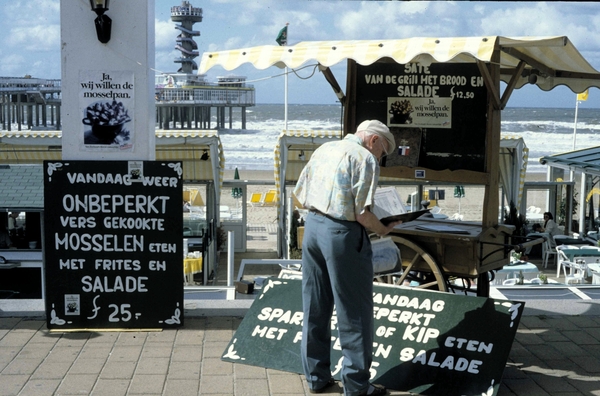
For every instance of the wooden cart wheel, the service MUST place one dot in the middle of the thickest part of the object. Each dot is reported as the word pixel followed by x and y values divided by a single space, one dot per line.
pixel 412 253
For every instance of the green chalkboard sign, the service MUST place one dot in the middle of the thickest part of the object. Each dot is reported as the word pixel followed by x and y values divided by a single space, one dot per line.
pixel 426 342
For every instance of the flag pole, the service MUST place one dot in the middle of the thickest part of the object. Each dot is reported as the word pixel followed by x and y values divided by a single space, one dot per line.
pixel 285 99
pixel 579 97
pixel 575 126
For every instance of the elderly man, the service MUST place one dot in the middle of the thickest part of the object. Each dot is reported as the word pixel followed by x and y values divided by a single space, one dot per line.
pixel 338 187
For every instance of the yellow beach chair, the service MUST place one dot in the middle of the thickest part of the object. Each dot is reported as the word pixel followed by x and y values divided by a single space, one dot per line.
pixel 269 199
pixel 255 199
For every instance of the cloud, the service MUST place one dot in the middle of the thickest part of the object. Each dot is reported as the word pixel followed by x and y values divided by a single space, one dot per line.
pixel 35 38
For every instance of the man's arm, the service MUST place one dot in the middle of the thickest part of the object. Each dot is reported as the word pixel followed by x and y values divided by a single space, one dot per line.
pixel 368 220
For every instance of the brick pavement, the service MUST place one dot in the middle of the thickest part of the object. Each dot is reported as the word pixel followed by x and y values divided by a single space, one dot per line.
pixel 552 355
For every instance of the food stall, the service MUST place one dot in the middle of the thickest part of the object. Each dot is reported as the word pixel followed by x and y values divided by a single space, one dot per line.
pixel 442 99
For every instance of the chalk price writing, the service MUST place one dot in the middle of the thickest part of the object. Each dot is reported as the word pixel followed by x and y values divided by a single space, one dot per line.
pixel 123 310
pixel 461 94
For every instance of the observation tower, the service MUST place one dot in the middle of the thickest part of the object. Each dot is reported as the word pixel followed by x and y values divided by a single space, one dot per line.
pixel 186 15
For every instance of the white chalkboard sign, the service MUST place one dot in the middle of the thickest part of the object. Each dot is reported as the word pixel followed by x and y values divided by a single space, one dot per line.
pixel 430 343
pixel 113 244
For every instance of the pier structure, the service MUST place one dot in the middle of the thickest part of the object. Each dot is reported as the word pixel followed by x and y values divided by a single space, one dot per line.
pixel 30 103
pixel 185 100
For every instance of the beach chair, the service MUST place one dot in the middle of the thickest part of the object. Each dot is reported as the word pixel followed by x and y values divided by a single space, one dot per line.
pixel 255 199
pixel 269 199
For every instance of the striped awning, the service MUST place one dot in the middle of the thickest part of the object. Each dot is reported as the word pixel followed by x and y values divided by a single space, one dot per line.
pixel 554 60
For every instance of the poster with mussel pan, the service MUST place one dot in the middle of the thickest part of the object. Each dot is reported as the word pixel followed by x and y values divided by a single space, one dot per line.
pixel 425 342
pixel 436 112
pixel 113 244
pixel 105 100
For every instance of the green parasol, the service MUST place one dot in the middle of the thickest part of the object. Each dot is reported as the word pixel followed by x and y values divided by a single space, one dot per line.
pixel 236 192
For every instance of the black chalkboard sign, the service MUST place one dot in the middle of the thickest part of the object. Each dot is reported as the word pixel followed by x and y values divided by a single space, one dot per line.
pixel 113 246
pixel 425 342
pixel 436 112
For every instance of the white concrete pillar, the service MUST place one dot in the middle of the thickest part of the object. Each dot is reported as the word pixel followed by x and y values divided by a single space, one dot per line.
pixel 110 85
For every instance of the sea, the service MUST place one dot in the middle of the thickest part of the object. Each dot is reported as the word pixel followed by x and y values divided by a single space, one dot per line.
pixel 546 131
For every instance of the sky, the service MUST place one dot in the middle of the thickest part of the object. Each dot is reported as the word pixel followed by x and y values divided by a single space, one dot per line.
pixel 31 36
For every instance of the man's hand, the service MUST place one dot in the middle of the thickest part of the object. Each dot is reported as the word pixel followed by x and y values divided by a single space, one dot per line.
pixel 368 220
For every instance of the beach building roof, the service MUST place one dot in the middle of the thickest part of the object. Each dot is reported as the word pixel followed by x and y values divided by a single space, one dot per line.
pixel 188 146
pixel 544 61
pixel 585 160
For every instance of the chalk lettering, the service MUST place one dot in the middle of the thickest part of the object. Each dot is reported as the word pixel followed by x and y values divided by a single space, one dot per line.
pixel 162 247
pixel 73 264
pixel 383 331
pixel 281 316
pixel 99 178
pixel 117 265
pixel 419 91
pixel 469 345
pixel 370 79
pixel 449 362
pixel 416 68
pixel 159 181
pixel 78 222
pixel 95 203
pixel 453 80
pixel 107 284
pixel 381 350
pixel 133 223
pixel 269 332
pixel 404 301
pixel 99 242
pixel 157 265
pixel 424 334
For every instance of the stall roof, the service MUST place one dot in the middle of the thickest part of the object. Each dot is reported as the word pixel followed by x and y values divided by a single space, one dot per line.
pixel 584 160
pixel 188 146
pixel 22 188
pixel 554 60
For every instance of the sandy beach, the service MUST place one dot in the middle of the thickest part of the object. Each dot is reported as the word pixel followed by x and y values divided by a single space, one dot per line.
pixel 470 206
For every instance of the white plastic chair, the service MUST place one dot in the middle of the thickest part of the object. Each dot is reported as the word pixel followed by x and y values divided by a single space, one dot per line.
pixel 548 250
pixel 561 256
pixel 577 273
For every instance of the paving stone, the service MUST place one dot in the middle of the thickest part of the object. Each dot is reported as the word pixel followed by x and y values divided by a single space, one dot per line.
pixel 191 353
pixel 131 338
pixel 158 366
pixel 118 370
pixel 110 387
pixel 251 387
pixel 287 383
pixel 22 366
pixel 217 385
pixel 214 366
pixel 182 387
pixel 40 387
pixel 157 351
pixel 247 371
pixel 12 384
pixel 77 384
pixel 63 354
pixel 146 385
pixel 183 370
pixel 125 353
pixel 51 370
pixel 87 366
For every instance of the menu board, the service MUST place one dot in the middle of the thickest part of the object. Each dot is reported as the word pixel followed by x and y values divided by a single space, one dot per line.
pixel 425 342
pixel 436 112
pixel 113 247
